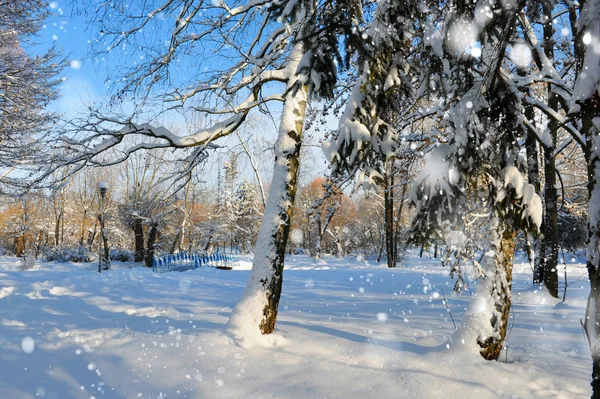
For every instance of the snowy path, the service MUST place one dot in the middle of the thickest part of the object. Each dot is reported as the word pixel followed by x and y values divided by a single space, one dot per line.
pixel 351 332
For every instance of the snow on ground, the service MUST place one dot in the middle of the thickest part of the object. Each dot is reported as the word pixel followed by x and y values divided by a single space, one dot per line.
pixel 351 329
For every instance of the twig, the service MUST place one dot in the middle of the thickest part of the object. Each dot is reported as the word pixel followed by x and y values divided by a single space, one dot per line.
pixel 587 337
pixel 448 309
pixel 566 283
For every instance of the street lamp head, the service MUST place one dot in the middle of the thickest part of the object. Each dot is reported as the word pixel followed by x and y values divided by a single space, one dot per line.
pixel 102 188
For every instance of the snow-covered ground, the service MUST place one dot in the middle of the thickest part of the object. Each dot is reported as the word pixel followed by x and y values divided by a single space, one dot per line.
pixel 351 330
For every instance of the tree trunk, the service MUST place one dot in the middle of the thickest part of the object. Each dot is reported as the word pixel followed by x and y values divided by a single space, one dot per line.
pixel 550 254
pixel 176 241
pixel 259 304
pixel 38 246
pixel 318 243
pixel 381 244
pixel 533 177
pixel 106 251
pixel 138 231
pixel 82 230
pixel 590 110
pixel 388 198
pixel 104 239
pixel 57 222
pixel 92 236
pixel 550 231
pixel 491 347
pixel 152 234
pixel 485 323
pixel 19 246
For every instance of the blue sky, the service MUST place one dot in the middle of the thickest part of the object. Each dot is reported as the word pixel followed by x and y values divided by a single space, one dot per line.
pixel 84 79
pixel 86 76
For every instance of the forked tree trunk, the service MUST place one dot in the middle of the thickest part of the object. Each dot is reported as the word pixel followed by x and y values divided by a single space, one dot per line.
pixel 257 309
pixel 485 324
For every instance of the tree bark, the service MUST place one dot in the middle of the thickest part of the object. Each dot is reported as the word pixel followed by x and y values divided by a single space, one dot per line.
pixel 19 246
pixel 486 321
pixel 138 231
pixel 152 235
pixel 259 304
pixel 590 109
pixel 82 230
pixel 398 221
pixel 550 254
pixel 533 177
pixel 388 198
pixel 38 246
pixel 491 347
pixel 550 231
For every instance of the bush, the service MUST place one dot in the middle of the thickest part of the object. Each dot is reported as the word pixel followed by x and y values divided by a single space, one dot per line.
pixel 121 255
pixel 66 254
pixel 572 227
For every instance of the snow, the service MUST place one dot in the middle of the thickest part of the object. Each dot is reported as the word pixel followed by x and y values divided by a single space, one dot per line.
pixel 588 81
pixel 352 330
pixel 521 55
pixel 524 191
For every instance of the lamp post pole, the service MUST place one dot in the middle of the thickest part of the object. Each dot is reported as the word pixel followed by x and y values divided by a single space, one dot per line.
pixel 102 190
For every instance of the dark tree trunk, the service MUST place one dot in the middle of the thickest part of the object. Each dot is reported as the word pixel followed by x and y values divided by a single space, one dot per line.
pixel 388 198
pixel 106 252
pixel 82 230
pixel 92 236
pixel 550 255
pixel 57 223
pixel 104 238
pixel 138 231
pixel 550 231
pixel 398 221
pixel 381 244
pixel 152 235
pixel 19 246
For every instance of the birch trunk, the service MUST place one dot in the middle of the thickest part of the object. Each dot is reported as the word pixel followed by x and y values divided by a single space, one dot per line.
pixel 485 323
pixel 256 312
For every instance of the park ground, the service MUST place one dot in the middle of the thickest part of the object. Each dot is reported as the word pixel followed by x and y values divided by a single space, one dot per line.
pixel 347 328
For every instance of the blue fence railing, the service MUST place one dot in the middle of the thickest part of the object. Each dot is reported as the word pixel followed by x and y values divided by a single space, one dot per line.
pixel 183 261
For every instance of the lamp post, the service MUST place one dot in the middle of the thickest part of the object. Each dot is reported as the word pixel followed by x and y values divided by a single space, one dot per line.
pixel 102 190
